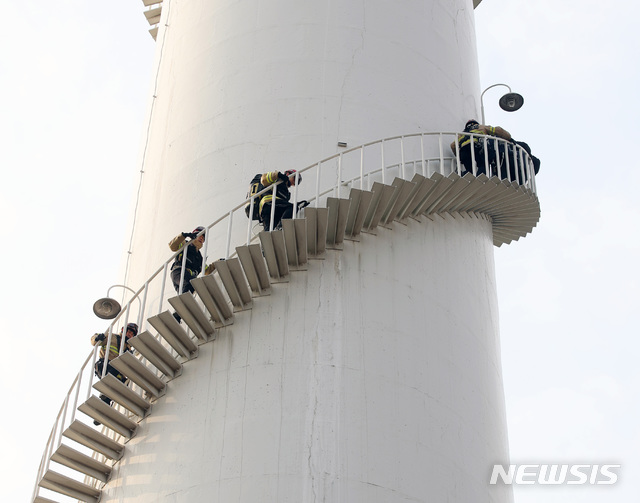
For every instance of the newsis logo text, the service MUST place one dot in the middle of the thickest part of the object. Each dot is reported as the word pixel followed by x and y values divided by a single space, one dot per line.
pixel 549 474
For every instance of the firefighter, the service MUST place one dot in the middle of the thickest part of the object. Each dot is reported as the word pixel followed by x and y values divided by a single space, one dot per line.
pixel 465 142
pixel 114 352
pixel 194 259
pixel 283 208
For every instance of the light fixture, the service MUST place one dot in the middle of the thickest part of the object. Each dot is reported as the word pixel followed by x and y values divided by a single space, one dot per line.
pixel 108 308
pixel 510 102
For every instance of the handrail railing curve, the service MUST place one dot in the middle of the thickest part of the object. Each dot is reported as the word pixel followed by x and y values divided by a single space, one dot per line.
pixel 422 153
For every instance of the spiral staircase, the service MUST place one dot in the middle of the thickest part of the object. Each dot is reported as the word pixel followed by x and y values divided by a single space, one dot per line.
pixel 237 282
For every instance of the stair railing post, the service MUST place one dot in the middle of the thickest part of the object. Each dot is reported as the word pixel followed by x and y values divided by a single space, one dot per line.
pixel 273 206
pixel 204 250
pixel 75 398
pixel 318 185
pixel 65 407
pixel 143 307
pixel 487 168
pixel 472 148
pixel 229 228
pixel 382 159
pixel 92 370
pixel 123 339
pixel 520 166
pixel 402 170
pixel 496 149
pixel 183 270
pixel 295 196
pixel 107 352
pixel 362 168
pixel 422 159
pixel 514 156
pixel 526 175
pixel 441 154
pixel 162 287
pixel 458 154
pixel 41 469
pixel 52 439
pixel 532 176
pixel 250 220
pixel 507 161
pixel 339 177
pixel 46 458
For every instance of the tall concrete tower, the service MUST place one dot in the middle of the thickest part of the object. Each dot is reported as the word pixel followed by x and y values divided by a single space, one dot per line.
pixel 371 372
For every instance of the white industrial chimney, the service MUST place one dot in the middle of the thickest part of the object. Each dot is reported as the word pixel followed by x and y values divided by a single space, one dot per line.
pixel 371 372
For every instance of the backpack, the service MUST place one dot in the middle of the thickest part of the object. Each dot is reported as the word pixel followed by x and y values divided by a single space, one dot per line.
pixel 254 187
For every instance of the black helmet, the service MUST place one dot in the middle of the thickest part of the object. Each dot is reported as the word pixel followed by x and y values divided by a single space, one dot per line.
pixel 133 327
pixel 198 230
pixel 470 125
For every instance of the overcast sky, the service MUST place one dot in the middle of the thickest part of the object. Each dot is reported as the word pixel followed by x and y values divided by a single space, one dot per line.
pixel 74 80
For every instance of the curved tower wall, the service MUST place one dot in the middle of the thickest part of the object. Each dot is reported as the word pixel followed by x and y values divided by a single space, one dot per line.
pixel 374 375
pixel 249 86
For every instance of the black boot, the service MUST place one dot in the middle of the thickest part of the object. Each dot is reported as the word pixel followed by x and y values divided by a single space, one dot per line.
pixel 177 317
pixel 106 400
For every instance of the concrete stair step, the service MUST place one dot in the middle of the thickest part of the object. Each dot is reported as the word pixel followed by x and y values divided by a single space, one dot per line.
pixel 232 277
pixel 400 199
pixel 214 300
pixel 275 254
pixel 119 392
pixel 108 416
pixel 295 242
pixel 82 463
pixel 93 439
pixel 255 269
pixel 337 222
pixel 62 484
pixel 153 350
pixel 316 231
pixel 382 196
pixel 360 201
pixel 174 334
pixel 193 315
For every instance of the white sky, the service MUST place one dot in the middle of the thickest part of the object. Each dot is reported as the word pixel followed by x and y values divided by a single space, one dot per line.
pixel 74 80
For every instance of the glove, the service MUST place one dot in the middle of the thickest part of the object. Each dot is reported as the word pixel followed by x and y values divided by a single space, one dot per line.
pixel 190 235
pixel 283 177
pixel 303 204
pixel 99 337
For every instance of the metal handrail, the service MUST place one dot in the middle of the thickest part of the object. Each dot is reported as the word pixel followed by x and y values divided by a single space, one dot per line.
pixel 524 175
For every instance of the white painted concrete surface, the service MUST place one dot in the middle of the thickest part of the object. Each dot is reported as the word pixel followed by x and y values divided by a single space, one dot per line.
pixel 372 377
pixel 375 375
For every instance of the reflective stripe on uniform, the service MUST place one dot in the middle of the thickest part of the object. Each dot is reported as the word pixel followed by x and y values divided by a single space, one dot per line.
pixel 265 199
pixel 467 139
pixel 272 176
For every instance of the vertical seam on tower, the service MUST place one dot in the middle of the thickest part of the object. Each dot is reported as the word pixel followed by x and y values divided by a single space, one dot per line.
pixel 146 143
